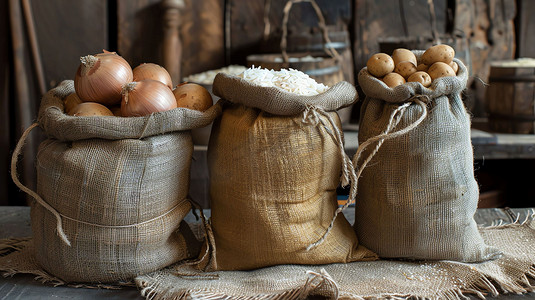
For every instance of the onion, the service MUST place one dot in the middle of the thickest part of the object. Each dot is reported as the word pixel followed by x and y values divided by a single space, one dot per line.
pixel 100 78
pixel 70 102
pixel 144 97
pixel 192 96
pixel 89 109
pixel 154 72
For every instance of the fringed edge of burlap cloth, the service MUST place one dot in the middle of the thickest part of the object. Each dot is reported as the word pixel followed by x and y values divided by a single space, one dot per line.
pixel 481 280
pixel 21 261
pixel 514 273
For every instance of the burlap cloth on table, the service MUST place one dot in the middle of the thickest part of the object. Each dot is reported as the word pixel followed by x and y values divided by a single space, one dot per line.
pixel 514 272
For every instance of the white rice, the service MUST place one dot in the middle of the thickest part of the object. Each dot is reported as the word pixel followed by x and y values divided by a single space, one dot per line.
pixel 291 80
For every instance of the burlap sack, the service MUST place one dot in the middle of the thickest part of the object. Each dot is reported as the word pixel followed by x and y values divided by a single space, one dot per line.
pixel 417 195
pixel 275 161
pixel 112 192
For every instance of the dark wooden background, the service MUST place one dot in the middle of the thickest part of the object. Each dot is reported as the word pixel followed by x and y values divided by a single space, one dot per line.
pixel 216 33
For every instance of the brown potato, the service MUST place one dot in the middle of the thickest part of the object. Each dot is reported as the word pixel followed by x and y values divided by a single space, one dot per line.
pixel 438 53
pixel 380 64
pixel 454 66
pixel 402 54
pixel 421 77
pixel 422 67
pixel 405 69
pixel 90 109
pixel 192 96
pixel 393 79
pixel 440 69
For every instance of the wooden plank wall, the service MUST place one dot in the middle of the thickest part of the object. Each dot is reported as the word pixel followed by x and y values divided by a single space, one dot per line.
pixel 215 33
pixel 140 32
pixel 526 28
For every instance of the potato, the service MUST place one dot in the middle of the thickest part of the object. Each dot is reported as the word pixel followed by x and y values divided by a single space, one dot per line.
pixel 192 96
pixel 454 66
pixel 405 69
pixel 90 109
pixel 421 77
pixel 422 67
pixel 440 69
pixel 402 54
pixel 438 53
pixel 380 64
pixel 393 79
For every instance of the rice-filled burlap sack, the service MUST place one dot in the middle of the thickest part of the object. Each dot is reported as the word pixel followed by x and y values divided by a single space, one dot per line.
pixel 112 192
pixel 417 193
pixel 275 161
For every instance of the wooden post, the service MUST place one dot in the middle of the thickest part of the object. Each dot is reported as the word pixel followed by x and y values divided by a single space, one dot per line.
pixel 172 46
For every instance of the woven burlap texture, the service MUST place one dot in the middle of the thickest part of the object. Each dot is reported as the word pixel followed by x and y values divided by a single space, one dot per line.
pixel 417 195
pixel 274 168
pixel 513 273
pixel 112 192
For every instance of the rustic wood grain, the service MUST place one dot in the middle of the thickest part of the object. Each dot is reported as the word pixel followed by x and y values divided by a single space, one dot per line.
pixel 141 34
pixel 510 99
pixel 380 21
pixel 6 104
pixel 526 28
pixel 140 31
pixel 202 30
pixel 67 30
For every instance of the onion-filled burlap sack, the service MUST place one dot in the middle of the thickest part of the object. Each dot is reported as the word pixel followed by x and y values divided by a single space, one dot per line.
pixel 112 192
pixel 275 162
pixel 417 195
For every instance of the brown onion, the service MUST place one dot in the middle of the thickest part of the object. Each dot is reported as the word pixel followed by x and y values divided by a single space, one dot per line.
pixel 90 109
pixel 193 96
pixel 144 97
pixel 100 78
pixel 154 72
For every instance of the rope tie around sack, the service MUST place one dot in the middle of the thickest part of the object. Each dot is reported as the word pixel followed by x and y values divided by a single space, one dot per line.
pixel 59 224
pixel 395 118
pixel 312 115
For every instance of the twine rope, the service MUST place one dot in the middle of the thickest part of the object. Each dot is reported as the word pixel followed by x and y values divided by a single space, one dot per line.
pixel 316 280
pixel 313 115
pixel 394 119
pixel 15 177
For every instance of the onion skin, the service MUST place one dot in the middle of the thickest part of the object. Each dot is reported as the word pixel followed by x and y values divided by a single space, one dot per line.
pixel 192 96
pixel 154 72
pixel 100 78
pixel 140 98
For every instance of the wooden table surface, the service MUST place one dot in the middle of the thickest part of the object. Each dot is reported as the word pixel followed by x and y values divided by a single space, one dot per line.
pixel 15 222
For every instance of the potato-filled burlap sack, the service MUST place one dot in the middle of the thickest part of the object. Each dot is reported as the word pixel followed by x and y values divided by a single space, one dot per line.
pixel 275 161
pixel 112 192
pixel 417 193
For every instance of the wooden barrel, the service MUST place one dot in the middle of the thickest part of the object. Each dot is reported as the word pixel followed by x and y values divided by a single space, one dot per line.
pixel 510 96
pixel 325 66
